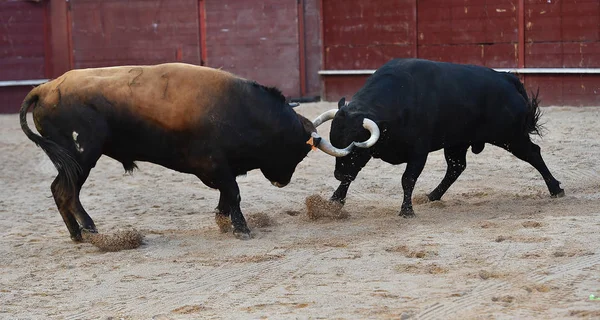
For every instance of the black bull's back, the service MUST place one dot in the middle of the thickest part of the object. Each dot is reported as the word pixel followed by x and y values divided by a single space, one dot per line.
pixel 423 106
pixel 435 105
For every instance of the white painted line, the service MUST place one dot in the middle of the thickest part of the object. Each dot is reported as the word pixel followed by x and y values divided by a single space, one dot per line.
pixel 512 70
pixel 13 83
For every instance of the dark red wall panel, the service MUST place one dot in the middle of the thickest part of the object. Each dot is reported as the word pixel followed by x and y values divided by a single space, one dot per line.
pixel 21 40
pixel 562 33
pixel 543 55
pixel 312 33
pixel 550 87
pixel 361 23
pixel 366 34
pixel 542 21
pixel 475 31
pixel 337 87
pixel 565 90
pixel 362 57
pixel 562 20
pixel 257 40
pixel 22 49
pixel 581 54
pixel 496 55
pixel 114 32
pixel 556 34
pixel 12 97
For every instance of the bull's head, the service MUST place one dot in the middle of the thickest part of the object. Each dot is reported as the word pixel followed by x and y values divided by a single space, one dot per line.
pixel 328 148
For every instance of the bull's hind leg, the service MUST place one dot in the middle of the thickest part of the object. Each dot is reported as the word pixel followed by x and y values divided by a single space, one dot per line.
pixel 528 151
pixel 85 221
pixel 456 159
pixel 62 193
pixel 84 144
pixel 414 167
pixel 66 196
pixel 88 143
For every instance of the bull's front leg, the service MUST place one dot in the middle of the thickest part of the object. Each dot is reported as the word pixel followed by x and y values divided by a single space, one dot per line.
pixel 228 210
pixel 222 216
pixel 346 170
pixel 229 205
pixel 413 169
pixel 339 195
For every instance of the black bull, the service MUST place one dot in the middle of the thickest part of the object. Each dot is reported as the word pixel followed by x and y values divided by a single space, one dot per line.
pixel 421 106
pixel 191 119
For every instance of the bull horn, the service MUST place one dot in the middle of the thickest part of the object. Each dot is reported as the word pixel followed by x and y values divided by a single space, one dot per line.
pixel 328 148
pixel 325 116
pixel 375 133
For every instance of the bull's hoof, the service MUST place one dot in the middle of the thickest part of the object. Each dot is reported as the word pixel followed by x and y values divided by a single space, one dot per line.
pixel 89 230
pixel 407 213
pixel 76 238
pixel 242 235
pixel 79 236
pixel 559 195
pixel 336 200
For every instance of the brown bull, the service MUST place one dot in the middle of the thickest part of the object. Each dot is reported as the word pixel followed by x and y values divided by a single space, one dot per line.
pixel 191 119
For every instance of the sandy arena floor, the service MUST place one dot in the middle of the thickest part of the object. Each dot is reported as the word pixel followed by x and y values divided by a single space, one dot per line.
pixel 497 246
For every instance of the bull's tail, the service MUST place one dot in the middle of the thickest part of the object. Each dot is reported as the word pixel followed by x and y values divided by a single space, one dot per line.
pixel 60 157
pixel 532 117
pixel 531 123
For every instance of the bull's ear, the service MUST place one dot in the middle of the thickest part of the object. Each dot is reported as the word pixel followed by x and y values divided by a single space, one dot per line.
pixel 342 102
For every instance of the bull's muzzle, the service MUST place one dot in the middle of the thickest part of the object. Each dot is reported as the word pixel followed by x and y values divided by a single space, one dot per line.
pixel 327 147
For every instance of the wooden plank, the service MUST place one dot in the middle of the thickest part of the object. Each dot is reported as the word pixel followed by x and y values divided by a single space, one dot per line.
pixel 542 21
pixel 368 22
pixel 581 54
pixel 113 32
pixel 581 90
pixel 22 40
pixel 366 34
pixel 202 26
pixel 521 27
pixel 364 57
pixel 337 87
pixel 555 90
pixel 551 90
pixel 582 27
pixel 312 16
pixel 467 22
pixel 501 55
pixel 256 40
pixel 566 20
pixel 12 97
pixel 495 56
pixel 566 90
pixel 544 55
